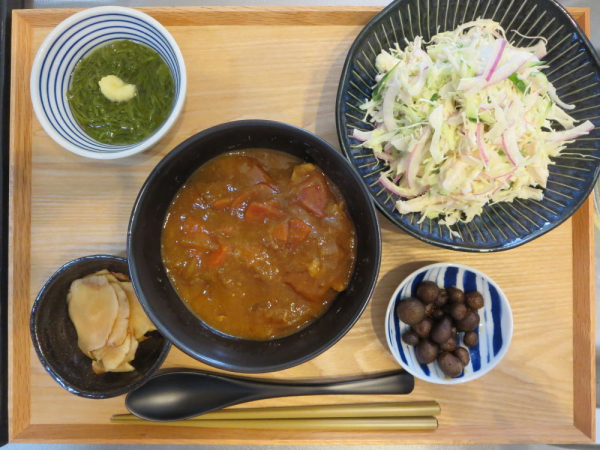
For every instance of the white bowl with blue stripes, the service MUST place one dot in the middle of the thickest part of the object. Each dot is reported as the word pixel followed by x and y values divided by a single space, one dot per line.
pixel 495 329
pixel 73 39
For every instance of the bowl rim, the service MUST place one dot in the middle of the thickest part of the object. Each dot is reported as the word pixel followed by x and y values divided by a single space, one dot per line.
pixel 467 377
pixel 56 33
pixel 135 218
pixel 50 367
pixel 341 133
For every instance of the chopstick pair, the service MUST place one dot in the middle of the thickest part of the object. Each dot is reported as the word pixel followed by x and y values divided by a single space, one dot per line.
pixel 363 417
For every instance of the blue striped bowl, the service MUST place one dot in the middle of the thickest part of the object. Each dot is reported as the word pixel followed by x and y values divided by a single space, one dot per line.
pixel 495 329
pixel 70 41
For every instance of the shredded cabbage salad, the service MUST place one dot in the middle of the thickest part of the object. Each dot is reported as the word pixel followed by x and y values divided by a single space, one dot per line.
pixel 465 121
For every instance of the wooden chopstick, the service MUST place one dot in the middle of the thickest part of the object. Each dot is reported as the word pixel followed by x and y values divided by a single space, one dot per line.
pixel 360 410
pixel 345 424
pixel 361 416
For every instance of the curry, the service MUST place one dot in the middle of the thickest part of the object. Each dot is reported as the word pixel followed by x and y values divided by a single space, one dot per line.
pixel 258 243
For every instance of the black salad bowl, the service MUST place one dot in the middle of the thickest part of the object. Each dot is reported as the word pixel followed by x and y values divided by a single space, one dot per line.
pixel 574 71
pixel 55 338
pixel 170 314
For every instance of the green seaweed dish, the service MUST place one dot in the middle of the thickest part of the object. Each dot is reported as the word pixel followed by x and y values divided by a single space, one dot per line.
pixel 122 122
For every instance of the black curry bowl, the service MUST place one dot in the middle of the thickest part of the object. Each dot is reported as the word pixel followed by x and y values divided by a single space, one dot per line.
pixel 55 338
pixel 171 315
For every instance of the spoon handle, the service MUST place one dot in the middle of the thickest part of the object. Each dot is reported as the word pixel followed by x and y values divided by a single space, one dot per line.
pixel 390 384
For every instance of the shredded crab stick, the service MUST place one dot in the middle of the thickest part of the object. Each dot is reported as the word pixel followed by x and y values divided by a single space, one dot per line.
pixel 468 120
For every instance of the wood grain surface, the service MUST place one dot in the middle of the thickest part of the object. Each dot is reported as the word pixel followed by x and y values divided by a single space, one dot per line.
pixel 284 64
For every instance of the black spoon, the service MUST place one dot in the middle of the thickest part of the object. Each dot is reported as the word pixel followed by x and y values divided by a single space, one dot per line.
pixel 181 395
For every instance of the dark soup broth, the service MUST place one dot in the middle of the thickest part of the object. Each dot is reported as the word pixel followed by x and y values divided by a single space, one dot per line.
pixel 258 243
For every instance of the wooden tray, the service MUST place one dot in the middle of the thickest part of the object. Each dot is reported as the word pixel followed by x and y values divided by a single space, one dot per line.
pixel 284 64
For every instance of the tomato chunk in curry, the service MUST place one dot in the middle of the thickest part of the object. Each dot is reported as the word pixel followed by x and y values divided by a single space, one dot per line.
pixel 258 243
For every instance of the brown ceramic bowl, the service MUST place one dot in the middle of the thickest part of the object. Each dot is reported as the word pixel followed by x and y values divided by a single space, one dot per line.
pixel 55 339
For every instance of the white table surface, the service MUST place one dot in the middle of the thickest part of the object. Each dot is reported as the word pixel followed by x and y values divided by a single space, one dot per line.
pixel 594 5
